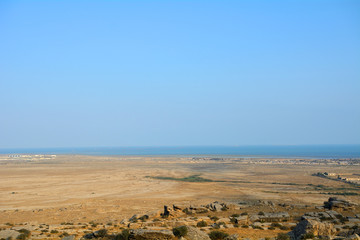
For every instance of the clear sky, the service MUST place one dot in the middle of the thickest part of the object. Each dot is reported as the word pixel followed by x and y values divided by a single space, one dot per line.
pixel 161 73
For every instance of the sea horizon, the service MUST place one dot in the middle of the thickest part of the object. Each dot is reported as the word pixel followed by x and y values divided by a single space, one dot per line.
pixel 290 151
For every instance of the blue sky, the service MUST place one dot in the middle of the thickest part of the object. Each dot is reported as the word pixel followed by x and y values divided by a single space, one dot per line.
pixel 169 73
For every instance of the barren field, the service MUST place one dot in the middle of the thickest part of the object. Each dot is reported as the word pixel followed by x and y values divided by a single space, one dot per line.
pixel 110 188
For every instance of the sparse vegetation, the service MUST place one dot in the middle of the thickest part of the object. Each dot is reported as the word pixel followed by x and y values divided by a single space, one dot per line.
pixel 124 235
pixel 180 231
pixel 201 224
pixel 217 235
pixel 282 236
pixel 192 178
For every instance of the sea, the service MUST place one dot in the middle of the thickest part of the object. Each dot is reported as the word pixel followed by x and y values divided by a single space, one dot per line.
pixel 289 151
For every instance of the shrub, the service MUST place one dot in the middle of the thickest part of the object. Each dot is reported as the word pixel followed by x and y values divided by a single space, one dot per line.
pixel 26 232
pixel 275 225
pixel 256 227
pixel 308 236
pixel 180 231
pixel 54 231
pixel 214 218
pixel 64 234
pixel 245 226
pixel 282 236
pixel 235 215
pixel 144 218
pixel 233 220
pixel 284 228
pixel 201 224
pixel 217 235
pixel 101 233
pixel 261 213
pixel 124 235
pixel 244 213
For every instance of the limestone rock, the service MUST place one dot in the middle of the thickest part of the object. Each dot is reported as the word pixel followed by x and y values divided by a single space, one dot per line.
pixel 195 234
pixel 9 234
pixel 145 234
pixel 317 228
pixel 72 237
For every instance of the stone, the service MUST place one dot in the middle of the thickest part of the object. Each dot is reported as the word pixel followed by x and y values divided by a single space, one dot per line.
pixel 146 234
pixel 195 234
pixel 309 226
pixel 72 237
pixel 9 234
pixel 133 218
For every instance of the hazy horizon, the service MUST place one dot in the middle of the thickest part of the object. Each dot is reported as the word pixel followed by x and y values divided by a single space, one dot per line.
pixel 171 73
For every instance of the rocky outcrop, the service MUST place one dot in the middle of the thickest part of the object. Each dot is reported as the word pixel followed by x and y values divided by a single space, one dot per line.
pixel 9 234
pixel 312 227
pixel 145 234
pixel 193 233
pixel 334 203
pixel 72 237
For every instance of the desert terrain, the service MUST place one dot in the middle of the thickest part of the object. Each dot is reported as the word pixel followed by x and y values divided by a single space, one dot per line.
pixel 108 189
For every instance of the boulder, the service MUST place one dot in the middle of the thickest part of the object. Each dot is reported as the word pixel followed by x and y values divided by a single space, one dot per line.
pixel 72 237
pixel 215 206
pixel 146 234
pixel 9 234
pixel 309 226
pixel 134 218
pixel 334 203
pixel 195 234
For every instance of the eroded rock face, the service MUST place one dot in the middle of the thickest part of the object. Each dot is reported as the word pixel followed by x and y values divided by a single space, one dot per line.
pixel 9 234
pixel 145 234
pixel 309 226
pixel 195 234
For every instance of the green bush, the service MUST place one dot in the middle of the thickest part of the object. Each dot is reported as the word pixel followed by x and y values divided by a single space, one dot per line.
pixel 276 225
pixel 101 233
pixel 26 232
pixel 282 236
pixel 244 214
pixel 217 235
pixel 284 228
pixel 308 236
pixel 124 235
pixel 235 215
pixel 180 231
pixel 201 224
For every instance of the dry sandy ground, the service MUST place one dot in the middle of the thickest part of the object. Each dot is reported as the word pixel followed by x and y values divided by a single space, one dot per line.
pixel 98 188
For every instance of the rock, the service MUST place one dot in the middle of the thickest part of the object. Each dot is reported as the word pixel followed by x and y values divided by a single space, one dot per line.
pixel 335 202
pixel 9 234
pixel 215 206
pixel 145 234
pixel 166 211
pixel 309 226
pixel 242 220
pixel 195 234
pixel 72 237
pixel 353 237
pixel 133 218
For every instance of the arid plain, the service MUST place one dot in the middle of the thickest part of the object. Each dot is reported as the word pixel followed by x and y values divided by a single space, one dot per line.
pixel 110 188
